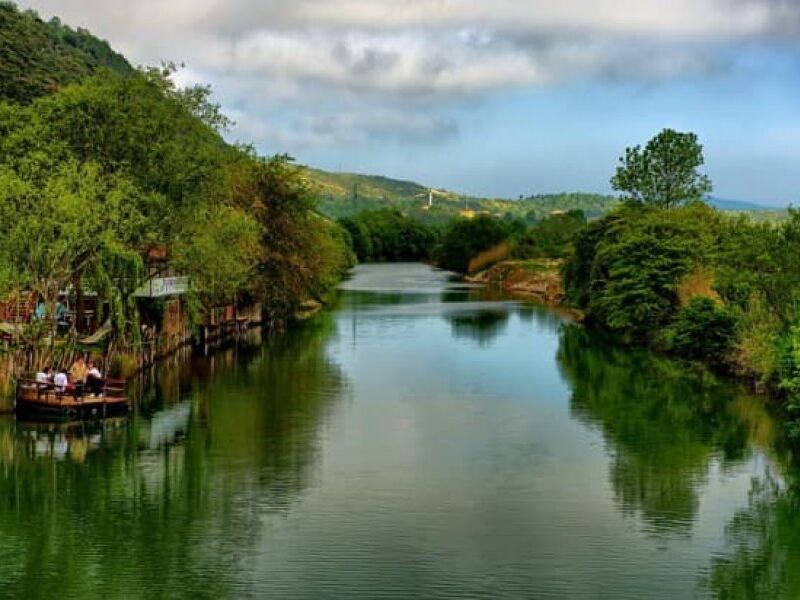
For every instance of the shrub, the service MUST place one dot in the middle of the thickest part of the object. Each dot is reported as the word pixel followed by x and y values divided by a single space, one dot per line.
pixel 464 239
pixel 702 330
pixel 626 268
pixel 551 237
pixel 489 257
pixel 790 378
pixel 757 347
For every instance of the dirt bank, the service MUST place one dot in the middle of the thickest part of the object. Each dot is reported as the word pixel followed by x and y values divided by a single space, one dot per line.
pixel 537 278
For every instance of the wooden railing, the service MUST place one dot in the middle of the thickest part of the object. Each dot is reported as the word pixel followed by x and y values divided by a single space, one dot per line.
pixel 111 388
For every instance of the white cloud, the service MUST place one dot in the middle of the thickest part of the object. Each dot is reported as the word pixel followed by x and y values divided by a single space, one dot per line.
pixel 725 18
pixel 331 129
pixel 347 62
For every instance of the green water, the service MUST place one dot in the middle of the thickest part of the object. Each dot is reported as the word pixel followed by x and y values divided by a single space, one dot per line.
pixel 421 440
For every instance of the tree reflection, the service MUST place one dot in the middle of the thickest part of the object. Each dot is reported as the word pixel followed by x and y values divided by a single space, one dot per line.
pixel 166 503
pixel 762 557
pixel 663 421
pixel 482 326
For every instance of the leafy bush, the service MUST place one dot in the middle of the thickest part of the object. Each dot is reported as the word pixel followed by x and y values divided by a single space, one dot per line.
pixel 702 330
pixel 463 239
pixel 551 237
pixel 790 362
pixel 790 377
pixel 388 235
pixel 627 267
pixel 761 261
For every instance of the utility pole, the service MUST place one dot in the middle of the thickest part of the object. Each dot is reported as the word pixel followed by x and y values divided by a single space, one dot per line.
pixel 355 197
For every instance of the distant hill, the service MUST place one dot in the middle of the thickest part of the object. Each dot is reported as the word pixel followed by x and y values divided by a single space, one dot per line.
pixel 341 194
pixel 739 205
pixel 38 57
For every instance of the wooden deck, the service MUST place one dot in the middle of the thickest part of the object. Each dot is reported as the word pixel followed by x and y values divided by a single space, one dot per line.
pixel 32 399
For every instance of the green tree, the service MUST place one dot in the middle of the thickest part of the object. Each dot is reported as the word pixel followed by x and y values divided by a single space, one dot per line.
pixel 360 238
pixel 389 235
pixel 463 239
pixel 627 267
pixel 702 330
pixel 218 250
pixel 664 173
pixel 301 252
pixel 551 237
pixel 38 58
pixel 52 231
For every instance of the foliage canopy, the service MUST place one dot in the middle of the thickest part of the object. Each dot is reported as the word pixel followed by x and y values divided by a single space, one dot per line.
pixel 663 173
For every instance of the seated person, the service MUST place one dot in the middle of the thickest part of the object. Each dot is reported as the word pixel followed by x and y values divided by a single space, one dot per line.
pixel 43 381
pixel 77 375
pixel 94 380
pixel 60 381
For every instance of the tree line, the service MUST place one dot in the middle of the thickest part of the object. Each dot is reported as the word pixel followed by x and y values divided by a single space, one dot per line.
pixel 667 270
pixel 391 235
pixel 663 268
pixel 94 175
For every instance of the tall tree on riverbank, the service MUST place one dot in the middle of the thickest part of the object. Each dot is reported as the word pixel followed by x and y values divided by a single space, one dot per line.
pixel 664 173
pixel 463 239
pixel 58 227
pixel 301 253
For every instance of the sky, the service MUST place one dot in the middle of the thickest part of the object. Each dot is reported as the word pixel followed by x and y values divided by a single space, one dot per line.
pixel 488 97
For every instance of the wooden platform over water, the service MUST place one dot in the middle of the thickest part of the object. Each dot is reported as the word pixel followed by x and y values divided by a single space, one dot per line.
pixel 32 399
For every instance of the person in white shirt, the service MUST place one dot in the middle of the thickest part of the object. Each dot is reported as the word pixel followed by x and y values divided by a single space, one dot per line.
pixel 43 378
pixel 60 381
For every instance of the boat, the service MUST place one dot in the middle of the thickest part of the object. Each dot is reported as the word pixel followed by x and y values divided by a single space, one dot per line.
pixel 33 398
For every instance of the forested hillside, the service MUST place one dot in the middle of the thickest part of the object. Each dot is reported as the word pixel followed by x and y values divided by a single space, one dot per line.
pixel 38 57
pixel 345 194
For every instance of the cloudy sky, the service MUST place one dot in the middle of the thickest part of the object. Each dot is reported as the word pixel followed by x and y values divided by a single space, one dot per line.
pixel 491 97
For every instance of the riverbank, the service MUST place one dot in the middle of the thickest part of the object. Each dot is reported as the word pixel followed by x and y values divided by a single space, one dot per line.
pixel 538 278
pixel 542 280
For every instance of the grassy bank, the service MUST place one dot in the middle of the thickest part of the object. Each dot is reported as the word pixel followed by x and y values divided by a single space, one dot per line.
pixel 537 278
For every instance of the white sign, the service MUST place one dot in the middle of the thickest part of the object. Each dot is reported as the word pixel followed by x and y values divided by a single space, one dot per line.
pixel 163 286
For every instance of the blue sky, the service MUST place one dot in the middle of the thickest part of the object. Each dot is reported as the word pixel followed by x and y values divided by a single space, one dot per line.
pixel 496 98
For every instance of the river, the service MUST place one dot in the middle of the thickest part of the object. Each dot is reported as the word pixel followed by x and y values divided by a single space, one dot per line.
pixel 421 439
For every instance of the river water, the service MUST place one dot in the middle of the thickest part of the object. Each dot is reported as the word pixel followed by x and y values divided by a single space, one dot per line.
pixel 422 439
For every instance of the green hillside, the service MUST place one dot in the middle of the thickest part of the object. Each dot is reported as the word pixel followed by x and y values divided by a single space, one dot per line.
pixel 342 194
pixel 38 57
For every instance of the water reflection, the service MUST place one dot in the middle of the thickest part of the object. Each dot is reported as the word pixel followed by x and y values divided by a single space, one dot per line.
pixel 170 499
pixel 482 326
pixel 426 441
pixel 762 555
pixel 664 423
